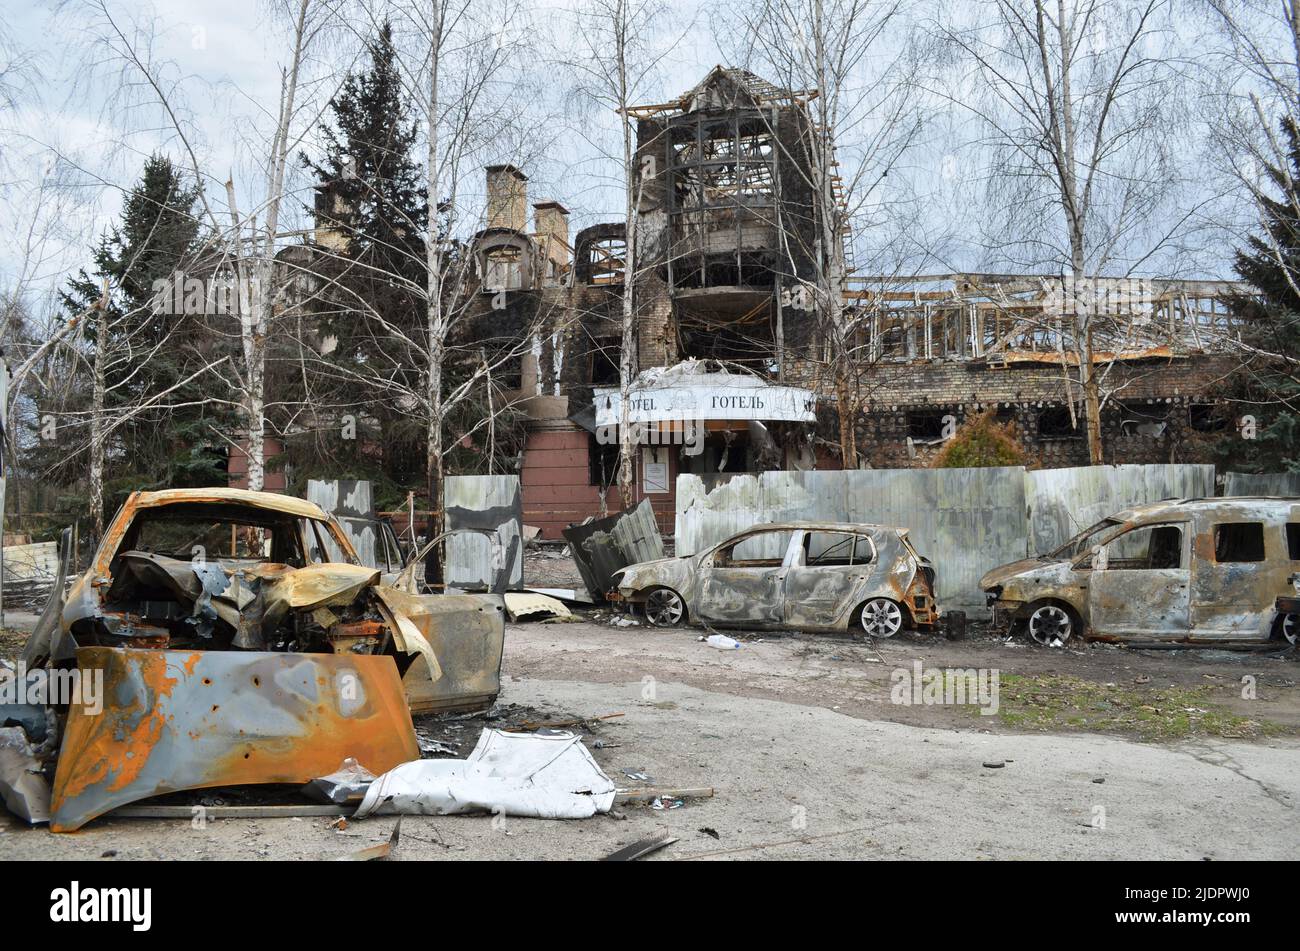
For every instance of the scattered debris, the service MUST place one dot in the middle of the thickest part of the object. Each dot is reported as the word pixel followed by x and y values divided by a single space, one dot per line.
pixel 722 642
pixel 522 605
pixel 995 764
pixel 23 786
pixel 373 853
pixel 638 850
pixel 347 784
pixel 569 595
pixel 651 794
pixel 711 833
pixel 531 725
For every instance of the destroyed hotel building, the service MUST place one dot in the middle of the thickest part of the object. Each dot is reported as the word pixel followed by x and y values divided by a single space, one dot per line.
pixel 729 261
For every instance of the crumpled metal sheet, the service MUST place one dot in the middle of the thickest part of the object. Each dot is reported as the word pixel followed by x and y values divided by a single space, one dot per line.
pixel 461 638
pixel 536 775
pixel 23 786
pixel 195 719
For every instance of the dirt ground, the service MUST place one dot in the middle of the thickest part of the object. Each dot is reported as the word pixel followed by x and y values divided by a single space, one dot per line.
pixel 1093 752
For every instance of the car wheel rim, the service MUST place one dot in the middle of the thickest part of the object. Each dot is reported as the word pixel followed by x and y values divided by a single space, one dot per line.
pixel 1291 628
pixel 663 608
pixel 1049 624
pixel 881 618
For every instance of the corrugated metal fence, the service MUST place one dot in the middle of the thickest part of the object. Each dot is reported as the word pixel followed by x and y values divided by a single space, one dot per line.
pixel 965 520
pixel 1284 484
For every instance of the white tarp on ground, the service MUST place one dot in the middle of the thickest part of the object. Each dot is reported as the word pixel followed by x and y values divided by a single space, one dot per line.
pixel 539 776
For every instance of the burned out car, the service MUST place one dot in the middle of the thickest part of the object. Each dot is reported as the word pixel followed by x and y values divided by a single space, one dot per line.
pixel 803 575
pixel 236 639
pixel 1188 570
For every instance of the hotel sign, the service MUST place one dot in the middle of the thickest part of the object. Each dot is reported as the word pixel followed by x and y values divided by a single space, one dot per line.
pixel 737 398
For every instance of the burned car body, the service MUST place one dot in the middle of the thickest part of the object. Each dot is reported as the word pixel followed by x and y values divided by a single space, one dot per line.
pixel 803 575
pixel 1182 570
pixel 238 640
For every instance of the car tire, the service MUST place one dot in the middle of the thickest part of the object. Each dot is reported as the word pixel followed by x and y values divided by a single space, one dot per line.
pixel 664 607
pixel 880 617
pixel 1050 623
pixel 1287 628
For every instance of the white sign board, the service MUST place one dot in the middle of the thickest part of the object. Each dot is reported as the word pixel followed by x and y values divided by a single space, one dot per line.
pixel 707 396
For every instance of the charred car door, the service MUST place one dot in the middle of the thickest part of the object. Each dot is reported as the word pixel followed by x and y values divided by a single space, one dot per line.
pixel 742 582
pixel 1140 583
pixel 828 570
pixel 1238 570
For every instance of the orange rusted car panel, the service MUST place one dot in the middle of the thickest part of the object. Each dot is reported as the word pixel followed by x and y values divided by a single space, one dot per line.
pixel 174 720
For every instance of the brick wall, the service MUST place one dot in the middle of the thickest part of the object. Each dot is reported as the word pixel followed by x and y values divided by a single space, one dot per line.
pixel 237 466
pixel 1156 391
pixel 556 484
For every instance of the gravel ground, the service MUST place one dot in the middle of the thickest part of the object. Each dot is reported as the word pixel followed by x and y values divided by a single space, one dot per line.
pixel 809 759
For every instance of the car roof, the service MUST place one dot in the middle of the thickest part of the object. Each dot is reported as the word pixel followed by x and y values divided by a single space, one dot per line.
pixel 858 527
pixel 270 501
pixel 1250 506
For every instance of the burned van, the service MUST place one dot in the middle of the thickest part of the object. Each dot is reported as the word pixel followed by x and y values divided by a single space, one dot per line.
pixel 1194 570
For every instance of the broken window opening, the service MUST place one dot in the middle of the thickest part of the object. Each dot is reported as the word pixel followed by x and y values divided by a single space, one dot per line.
pixel 837 549
pixel 606 259
pixel 761 550
pixel 1055 422
pixel 1149 548
pixel 604 364
pixel 602 462
pixel 1207 417
pixel 1143 419
pixel 1293 540
pixel 1238 542
pixel 926 425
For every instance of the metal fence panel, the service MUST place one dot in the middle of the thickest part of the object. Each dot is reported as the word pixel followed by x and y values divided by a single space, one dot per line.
pixel 1283 484
pixel 1063 502
pixel 966 521
pixel 492 502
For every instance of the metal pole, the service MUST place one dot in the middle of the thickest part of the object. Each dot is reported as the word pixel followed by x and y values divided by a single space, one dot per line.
pixel 4 475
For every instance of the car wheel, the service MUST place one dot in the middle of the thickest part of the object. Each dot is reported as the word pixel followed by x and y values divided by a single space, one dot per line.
pixel 881 617
pixel 1050 624
pixel 664 607
pixel 1288 628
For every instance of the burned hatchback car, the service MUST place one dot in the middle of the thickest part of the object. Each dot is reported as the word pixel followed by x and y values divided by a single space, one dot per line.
pixel 803 575
pixel 238 640
pixel 1194 570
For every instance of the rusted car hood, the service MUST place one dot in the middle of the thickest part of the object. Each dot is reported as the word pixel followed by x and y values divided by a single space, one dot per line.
pixel 1003 573
pixel 673 572
pixel 176 720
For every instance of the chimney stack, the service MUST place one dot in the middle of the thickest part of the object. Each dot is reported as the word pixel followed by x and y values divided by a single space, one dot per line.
pixel 551 219
pixel 507 198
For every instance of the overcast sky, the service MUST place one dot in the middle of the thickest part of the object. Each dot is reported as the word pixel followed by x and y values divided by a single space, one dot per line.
pixel 222 69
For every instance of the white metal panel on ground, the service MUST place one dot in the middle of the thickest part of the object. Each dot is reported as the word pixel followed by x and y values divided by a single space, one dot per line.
pixel 1063 502
pixel 1282 484
pixel 492 503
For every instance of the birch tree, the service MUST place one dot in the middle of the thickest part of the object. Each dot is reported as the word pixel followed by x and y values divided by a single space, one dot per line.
pixel 851 63
pixel 1076 101
pixel 616 65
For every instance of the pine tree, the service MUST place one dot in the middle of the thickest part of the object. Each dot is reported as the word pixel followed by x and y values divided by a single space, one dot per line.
pixel 369 193
pixel 369 188
pixel 1270 385
pixel 146 350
